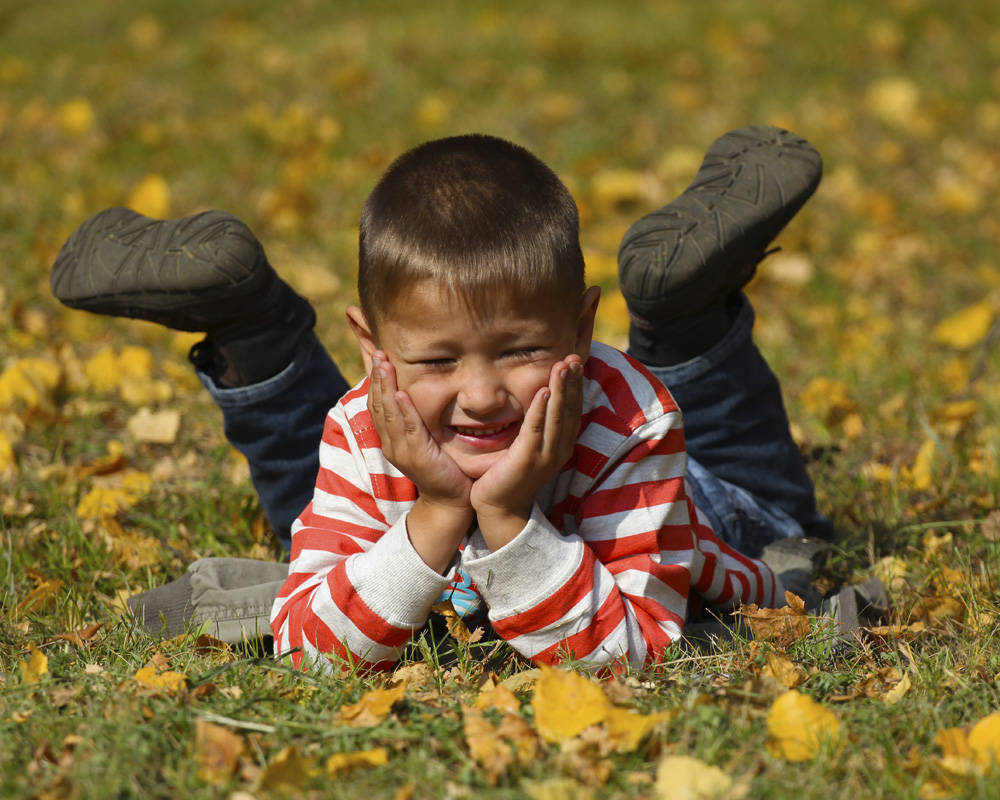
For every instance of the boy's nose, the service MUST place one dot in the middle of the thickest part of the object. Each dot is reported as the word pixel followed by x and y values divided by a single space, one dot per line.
pixel 482 393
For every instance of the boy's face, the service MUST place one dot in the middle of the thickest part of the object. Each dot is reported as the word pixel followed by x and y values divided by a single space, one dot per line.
pixel 472 378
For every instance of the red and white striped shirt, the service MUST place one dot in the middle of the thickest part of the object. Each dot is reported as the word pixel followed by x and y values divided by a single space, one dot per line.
pixel 605 569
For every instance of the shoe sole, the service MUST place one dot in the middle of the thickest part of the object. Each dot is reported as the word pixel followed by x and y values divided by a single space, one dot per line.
pixel 181 273
pixel 706 244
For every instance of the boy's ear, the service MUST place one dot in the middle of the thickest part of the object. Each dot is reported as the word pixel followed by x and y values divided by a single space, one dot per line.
pixel 585 325
pixel 363 333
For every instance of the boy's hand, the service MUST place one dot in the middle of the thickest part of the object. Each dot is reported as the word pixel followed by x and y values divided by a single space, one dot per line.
pixel 441 515
pixel 504 496
pixel 408 444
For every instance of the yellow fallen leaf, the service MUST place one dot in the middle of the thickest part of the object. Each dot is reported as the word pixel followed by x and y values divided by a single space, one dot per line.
pixel 893 100
pixel 626 729
pixel 373 707
pixel 921 474
pixel 954 743
pixel 339 763
pixel 827 399
pixel 75 117
pixel 168 681
pixel 566 703
pixel 984 739
pixel 897 692
pixel 31 384
pixel 556 789
pixel 217 752
pixel 135 362
pixel 102 370
pixel 8 461
pixel 288 771
pixel 100 502
pixel 151 196
pixel 784 671
pixel 967 328
pixel 499 697
pixel 36 666
pixel 155 428
pixel 144 391
pixel 680 777
pixel 798 727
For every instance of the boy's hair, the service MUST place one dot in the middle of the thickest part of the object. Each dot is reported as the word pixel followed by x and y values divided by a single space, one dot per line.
pixel 478 215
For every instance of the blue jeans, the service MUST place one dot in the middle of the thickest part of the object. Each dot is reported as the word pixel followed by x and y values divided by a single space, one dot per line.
pixel 745 472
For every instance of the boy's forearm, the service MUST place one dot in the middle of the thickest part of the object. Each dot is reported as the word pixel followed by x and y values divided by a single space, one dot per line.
pixel 436 531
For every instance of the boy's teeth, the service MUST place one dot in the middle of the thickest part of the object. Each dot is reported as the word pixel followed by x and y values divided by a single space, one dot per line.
pixel 479 431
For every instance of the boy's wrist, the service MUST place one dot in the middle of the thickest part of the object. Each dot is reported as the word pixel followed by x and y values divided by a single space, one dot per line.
pixel 500 526
pixel 436 530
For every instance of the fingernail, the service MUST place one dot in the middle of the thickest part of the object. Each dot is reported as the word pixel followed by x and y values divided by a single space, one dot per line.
pixel 575 367
pixel 376 362
pixel 563 373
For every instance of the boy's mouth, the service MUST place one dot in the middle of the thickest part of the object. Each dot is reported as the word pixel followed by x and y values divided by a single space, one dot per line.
pixel 480 432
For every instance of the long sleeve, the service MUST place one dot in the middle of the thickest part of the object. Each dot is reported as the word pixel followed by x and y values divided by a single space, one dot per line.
pixel 610 571
pixel 356 587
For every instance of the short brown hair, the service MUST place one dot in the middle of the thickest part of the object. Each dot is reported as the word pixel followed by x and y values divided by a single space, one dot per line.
pixel 482 217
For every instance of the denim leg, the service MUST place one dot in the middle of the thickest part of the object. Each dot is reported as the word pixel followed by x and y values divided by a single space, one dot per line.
pixel 278 424
pixel 746 473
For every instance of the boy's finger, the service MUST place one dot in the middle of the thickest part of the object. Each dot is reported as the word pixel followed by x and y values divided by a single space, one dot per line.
pixel 375 388
pixel 562 418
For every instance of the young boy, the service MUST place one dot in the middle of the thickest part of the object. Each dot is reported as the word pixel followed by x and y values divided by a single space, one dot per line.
pixel 494 454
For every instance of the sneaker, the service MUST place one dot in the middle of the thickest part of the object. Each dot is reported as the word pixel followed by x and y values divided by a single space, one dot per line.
pixel 192 274
pixel 705 245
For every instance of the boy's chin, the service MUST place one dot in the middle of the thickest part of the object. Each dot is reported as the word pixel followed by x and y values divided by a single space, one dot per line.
pixel 477 466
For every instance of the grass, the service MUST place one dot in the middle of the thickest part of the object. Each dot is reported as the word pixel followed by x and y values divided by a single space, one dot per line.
pixel 285 114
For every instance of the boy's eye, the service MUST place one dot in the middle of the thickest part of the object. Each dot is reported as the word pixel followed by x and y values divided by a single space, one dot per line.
pixel 436 362
pixel 521 352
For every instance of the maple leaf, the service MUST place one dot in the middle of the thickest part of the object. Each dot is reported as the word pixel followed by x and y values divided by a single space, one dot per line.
pixel 784 625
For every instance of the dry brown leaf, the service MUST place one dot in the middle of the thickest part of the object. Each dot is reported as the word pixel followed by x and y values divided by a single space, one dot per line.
pixel 80 637
pixel 498 747
pixel 41 598
pixel 783 625
pixel 217 751
pixel 456 625
pixel 991 526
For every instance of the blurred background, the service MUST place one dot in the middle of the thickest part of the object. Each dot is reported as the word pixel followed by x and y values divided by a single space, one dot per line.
pixel 285 114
